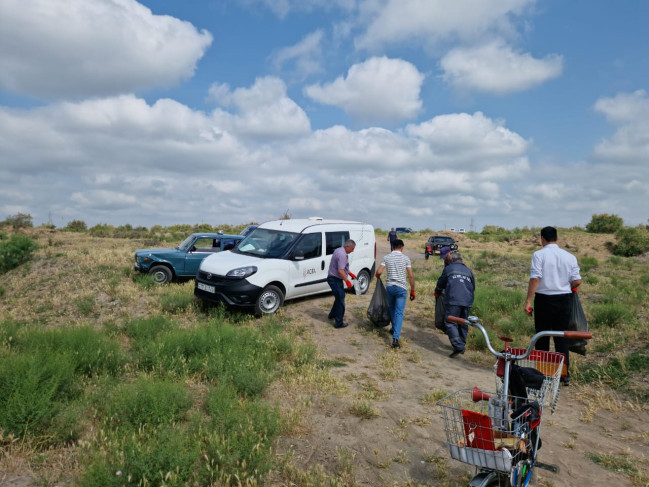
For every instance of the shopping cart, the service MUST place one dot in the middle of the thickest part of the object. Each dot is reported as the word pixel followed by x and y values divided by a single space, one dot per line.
pixel 499 432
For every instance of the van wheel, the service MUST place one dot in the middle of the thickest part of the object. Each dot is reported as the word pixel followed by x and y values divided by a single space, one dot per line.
pixel 161 274
pixel 269 301
pixel 363 279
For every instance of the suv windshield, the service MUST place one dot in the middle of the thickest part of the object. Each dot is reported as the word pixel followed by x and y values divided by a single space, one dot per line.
pixel 267 244
pixel 441 240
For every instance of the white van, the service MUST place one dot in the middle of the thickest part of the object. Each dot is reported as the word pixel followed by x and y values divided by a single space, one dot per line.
pixel 284 259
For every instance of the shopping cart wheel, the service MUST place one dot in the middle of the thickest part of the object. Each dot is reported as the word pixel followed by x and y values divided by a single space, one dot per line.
pixel 489 478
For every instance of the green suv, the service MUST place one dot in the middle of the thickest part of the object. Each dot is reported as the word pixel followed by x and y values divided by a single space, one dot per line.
pixel 183 261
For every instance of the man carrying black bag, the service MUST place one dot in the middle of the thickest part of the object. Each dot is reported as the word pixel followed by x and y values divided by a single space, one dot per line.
pixel 399 267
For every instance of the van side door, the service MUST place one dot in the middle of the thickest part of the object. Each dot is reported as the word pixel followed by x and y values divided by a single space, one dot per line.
pixel 307 274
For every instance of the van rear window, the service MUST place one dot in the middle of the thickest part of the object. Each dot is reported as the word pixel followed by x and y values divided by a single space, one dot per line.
pixel 335 240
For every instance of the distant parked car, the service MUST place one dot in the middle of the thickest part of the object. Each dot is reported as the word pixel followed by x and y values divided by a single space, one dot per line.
pixel 183 261
pixel 403 230
pixel 436 242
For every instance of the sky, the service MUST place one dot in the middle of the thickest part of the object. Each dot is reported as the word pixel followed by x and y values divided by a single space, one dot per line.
pixel 416 113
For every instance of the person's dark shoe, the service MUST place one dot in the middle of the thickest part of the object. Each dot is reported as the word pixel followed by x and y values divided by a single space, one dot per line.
pixel 330 317
pixel 395 343
pixel 342 325
pixel 565 381
pixel 455 353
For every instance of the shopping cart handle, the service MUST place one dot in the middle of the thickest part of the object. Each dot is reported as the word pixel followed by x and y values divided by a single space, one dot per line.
pixel 586 335
pixel 455 319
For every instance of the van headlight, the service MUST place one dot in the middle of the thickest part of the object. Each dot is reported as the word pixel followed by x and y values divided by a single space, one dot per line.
pixel 242 272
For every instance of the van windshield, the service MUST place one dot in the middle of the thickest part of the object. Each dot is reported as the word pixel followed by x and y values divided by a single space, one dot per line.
pixel 267 244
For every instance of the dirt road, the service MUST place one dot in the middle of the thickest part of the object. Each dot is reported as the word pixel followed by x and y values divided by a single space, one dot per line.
pixel 404 444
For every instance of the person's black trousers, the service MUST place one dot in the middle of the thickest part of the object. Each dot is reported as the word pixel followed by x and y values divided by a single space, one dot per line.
pixel 552 312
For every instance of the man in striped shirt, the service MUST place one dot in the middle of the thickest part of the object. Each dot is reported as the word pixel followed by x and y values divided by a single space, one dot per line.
pixel 399 267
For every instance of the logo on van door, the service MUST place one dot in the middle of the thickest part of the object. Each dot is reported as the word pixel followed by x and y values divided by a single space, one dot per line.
pixel 306 272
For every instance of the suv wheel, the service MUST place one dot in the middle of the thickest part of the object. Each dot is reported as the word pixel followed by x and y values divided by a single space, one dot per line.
pixel 161 274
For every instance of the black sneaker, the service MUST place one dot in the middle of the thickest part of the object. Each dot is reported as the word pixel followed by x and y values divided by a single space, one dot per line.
pixel 395 343
pixel 565 381
pixel 455 353
pixel 342 325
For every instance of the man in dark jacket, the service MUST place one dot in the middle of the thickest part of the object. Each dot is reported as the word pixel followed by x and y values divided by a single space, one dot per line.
pixel 392 236
pixel 459 285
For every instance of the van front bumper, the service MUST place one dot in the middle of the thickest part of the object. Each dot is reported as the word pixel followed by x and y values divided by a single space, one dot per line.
pixel 220 289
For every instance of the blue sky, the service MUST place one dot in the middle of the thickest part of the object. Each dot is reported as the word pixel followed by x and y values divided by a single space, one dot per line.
pixel 420 113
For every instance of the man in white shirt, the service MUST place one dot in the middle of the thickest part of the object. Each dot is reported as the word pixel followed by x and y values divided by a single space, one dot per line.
pixel 554 275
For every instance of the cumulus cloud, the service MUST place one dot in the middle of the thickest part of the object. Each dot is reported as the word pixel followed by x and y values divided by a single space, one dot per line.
pixel 121 160
pixel 629 145
pixel 81 48
pixel 497 68
pixel 304 56
pixel 263 110
pixel 433 21
pixel 471 142
pixel 379 89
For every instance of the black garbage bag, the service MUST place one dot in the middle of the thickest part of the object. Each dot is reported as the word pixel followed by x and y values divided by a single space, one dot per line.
pixel 440 311
pixel 578 322
pixel 379 311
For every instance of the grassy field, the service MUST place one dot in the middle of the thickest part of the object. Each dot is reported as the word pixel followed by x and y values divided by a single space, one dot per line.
pixel 107 379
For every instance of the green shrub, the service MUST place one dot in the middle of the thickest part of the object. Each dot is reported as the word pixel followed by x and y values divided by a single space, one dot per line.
pixel 85 305
pixel 19 220
pixel 152 457
pixel 146 401
pixel 75 226
pixel 88 350
pixel 631 242
pixel 493 230
pixel 15 251
pixel 604 223
pixel 240 356
pixel 176 300
pixel 33 388
pixel 242 433
pixel 148 328
pixel 587 263
pixel 610 314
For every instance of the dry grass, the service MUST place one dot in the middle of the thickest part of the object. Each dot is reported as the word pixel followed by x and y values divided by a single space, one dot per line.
pixel 78 280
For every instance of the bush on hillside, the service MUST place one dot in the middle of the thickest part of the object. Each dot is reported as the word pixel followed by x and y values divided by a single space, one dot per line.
pixel 15 251
pixel 493 230
pixel 19 220
pixel 631 241
pixel 76 226
pixel 605 223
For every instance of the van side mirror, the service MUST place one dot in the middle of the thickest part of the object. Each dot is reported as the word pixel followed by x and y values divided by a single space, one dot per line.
pixel 298 255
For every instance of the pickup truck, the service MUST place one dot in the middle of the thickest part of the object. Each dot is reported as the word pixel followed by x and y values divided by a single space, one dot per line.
pixel 436 242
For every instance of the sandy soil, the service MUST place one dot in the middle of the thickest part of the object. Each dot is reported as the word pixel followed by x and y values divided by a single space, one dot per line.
pixel 399 446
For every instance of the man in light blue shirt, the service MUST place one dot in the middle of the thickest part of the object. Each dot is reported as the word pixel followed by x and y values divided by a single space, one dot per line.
pixel 337 274
pixel 554 275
